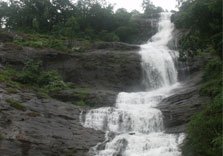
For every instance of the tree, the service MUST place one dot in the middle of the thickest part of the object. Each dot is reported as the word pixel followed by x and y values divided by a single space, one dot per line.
pixel 150 9
pixel 71 27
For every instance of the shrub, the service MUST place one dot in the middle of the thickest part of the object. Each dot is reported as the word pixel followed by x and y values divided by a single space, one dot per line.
pixel 205 128
pixel 109 37
pixel 33 74
pixel 205 131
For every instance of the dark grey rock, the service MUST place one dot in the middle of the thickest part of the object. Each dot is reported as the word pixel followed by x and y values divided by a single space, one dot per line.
pixel 183 104
pixel 115 46
pixel 91 97
pixel 6 37
pixel 46 127
pixel 99 69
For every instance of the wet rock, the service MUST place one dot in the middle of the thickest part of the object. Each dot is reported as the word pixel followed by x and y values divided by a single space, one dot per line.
pixel 5 37
pixel 183 104
pixel 100 69
pixel 91 97
pixel 47 127
pixel 188 63
pixel 115 46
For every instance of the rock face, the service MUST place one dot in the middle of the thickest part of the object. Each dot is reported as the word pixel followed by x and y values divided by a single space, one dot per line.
pixel 101 69
pixel 186 64
pixel 147 28
pixel 91 97
pixel 185 102
pixel 35 126
pixel 115 46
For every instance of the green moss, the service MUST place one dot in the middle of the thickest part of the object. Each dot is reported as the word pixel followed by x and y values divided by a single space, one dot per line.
pixel 16 104
pixel 8 76
pixel 80 103
pixel 11 90
pixel 82 96
pixel 1 137
pixel 41 93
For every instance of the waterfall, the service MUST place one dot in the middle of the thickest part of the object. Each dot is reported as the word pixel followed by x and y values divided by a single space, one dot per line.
pixel 135 120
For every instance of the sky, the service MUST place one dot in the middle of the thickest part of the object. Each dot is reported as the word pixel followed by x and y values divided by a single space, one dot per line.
pixel 137 4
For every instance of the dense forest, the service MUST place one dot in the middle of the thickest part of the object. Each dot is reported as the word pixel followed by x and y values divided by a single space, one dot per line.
pixel 202 21
pixel 85 19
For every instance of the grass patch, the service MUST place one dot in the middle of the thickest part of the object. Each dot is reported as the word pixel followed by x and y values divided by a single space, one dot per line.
pixel 61 43
pixel 42 41
pixel 16 104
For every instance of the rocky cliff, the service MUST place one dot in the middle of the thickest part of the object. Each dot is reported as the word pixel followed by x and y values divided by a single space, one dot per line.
pixel 111 66
pixel 34 125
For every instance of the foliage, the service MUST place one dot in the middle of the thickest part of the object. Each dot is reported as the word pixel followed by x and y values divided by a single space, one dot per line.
pixel 205 131
pixel 108 37
pixel 150 9
pixel 212 79
pixel 203 19
pixel 83 19
pixel 205 128
pixel 7 76
pixel 33 74
pixel 42 41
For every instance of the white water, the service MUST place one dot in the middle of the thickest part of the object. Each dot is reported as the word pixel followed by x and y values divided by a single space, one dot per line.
pixel 135 120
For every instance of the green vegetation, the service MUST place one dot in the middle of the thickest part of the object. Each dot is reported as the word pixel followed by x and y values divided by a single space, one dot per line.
pixel 16 104
pixel 42 41
pixel 84 19
pixel 33 76
pixel 202 20
pixel 205 128
pixel 83 98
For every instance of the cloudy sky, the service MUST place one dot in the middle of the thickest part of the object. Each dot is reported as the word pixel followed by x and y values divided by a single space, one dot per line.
pixel 136 4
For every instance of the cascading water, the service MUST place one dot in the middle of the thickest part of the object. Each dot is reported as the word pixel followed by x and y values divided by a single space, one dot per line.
pixel 136 122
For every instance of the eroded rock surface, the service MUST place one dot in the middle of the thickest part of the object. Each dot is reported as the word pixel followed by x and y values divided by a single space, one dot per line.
pixel 180 107
pixel 100 69
pixel 42 127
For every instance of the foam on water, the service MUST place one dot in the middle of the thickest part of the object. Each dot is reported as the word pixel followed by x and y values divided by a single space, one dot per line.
pixel 135 120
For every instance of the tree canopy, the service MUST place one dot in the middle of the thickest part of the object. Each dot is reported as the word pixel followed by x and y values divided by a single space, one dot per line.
pixel 90 19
